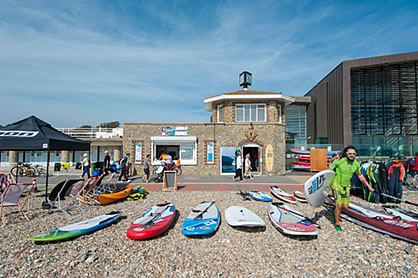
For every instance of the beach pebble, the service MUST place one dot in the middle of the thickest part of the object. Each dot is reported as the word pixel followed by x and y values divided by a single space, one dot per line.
pixel 228 253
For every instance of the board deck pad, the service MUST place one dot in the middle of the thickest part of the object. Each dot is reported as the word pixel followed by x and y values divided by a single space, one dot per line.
pixel 237 216
pixel 317 187
pixel 77 229
pixel 204 219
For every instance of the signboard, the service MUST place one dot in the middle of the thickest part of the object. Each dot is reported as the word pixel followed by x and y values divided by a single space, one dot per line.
pixel 170 181
pixel 174 131
pixel 138 152
pixel 210 152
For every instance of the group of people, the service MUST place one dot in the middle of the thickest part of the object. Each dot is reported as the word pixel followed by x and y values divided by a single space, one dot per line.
pixel 247 166
pixel 107 167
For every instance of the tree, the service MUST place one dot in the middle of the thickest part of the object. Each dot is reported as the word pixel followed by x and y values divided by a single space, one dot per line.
pixel 110 124
pixel 85 126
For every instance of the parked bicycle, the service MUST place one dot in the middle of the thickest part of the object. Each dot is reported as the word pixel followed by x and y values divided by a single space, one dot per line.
pixel 23 169
pixel 40 171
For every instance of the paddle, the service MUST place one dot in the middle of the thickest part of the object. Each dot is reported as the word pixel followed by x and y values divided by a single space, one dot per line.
pixel 244 195
pixel 147 224
pixel 398 199
pixel 200 215
pixel 298 214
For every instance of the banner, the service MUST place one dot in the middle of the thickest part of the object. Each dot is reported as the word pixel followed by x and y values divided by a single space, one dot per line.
pixel 138 153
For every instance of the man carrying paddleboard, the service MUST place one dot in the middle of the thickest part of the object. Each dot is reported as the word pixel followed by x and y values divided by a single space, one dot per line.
pixel 345 167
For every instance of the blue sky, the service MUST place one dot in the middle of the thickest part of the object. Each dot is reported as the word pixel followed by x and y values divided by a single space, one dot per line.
pixel 88 62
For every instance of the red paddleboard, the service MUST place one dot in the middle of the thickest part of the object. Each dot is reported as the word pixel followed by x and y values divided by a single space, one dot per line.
pixel 282 195
pixel 153 222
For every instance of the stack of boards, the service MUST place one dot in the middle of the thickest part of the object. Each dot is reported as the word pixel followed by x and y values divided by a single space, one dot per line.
pixel 394 221
pixel 282 195
pixel 398 224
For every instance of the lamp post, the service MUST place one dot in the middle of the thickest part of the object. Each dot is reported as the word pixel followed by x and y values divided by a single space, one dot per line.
pixel 245 79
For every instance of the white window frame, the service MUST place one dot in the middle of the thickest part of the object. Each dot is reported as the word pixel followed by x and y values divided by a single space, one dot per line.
pixel 175 141
pixel 220 107
pixel 242 105
pixel 279 112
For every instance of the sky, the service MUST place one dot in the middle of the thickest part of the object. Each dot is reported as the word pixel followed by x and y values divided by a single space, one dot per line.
pixel 78 62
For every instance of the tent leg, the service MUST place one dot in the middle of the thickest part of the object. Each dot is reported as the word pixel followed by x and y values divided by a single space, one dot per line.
pixel 45 204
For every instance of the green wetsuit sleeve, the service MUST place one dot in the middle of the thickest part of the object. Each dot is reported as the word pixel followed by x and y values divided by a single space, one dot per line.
pixel 336 163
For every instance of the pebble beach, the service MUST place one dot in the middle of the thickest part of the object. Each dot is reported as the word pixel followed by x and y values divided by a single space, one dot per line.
pixel 230 252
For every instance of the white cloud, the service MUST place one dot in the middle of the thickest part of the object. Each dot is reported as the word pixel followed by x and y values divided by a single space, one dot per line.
pixel 85 64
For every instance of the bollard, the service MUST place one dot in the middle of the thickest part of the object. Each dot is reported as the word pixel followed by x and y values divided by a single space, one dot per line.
pixel 34 186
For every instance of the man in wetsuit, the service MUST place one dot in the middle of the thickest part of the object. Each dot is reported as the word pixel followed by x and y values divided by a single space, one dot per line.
pixel 345 167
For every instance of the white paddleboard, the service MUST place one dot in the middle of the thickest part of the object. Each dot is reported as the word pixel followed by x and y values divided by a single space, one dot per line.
pixel 237 216
pixel 317 187
pixel 291 222
pixel 282 195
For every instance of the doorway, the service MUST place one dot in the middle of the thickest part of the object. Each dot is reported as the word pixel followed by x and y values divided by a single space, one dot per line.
pixel 255 156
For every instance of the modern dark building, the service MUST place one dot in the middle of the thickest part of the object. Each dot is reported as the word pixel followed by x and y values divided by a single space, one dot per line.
pixel 370 103
pixel 296 122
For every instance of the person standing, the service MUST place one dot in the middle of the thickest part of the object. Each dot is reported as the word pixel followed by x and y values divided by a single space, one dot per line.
pixel 124 167
pixel 147 166
pixel 248 167
pixel 238 167
pixel 106 163
pixel 168 162
pixel 86 166
pixel 345 167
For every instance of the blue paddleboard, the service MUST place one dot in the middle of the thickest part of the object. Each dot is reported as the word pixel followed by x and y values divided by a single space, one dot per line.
pixel 204 219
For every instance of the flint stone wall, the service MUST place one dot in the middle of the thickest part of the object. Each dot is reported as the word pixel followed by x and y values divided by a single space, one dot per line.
pixel 224 135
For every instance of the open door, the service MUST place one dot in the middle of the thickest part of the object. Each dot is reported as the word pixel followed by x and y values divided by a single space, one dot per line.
pixel 255 156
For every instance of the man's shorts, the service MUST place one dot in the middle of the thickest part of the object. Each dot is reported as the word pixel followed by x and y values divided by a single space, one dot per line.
pixel 341 194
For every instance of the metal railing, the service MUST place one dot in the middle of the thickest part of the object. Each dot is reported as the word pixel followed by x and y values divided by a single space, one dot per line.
pixel 99 132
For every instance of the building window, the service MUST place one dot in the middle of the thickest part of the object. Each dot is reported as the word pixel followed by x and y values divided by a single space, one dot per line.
pixel 250 113
pixel 279 113
pixel 220 113
pixel 179 147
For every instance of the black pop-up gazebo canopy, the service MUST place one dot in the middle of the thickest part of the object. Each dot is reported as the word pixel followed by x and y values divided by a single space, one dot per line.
pixel 33 134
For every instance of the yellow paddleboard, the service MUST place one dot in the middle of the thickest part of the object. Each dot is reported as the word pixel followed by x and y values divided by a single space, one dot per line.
pixel 269 158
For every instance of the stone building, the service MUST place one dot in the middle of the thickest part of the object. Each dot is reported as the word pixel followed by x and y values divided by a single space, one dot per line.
pixel 245 120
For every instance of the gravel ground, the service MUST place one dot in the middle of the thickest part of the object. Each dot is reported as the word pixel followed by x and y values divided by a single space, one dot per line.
pixel 356 252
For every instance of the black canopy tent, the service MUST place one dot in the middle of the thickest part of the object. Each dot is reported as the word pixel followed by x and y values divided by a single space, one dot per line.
pixel 33 134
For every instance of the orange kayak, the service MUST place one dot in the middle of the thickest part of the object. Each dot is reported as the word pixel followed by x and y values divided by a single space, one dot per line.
pixel 106 199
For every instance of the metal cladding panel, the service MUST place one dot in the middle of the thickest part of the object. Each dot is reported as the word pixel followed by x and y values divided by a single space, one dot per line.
pixel 325 113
